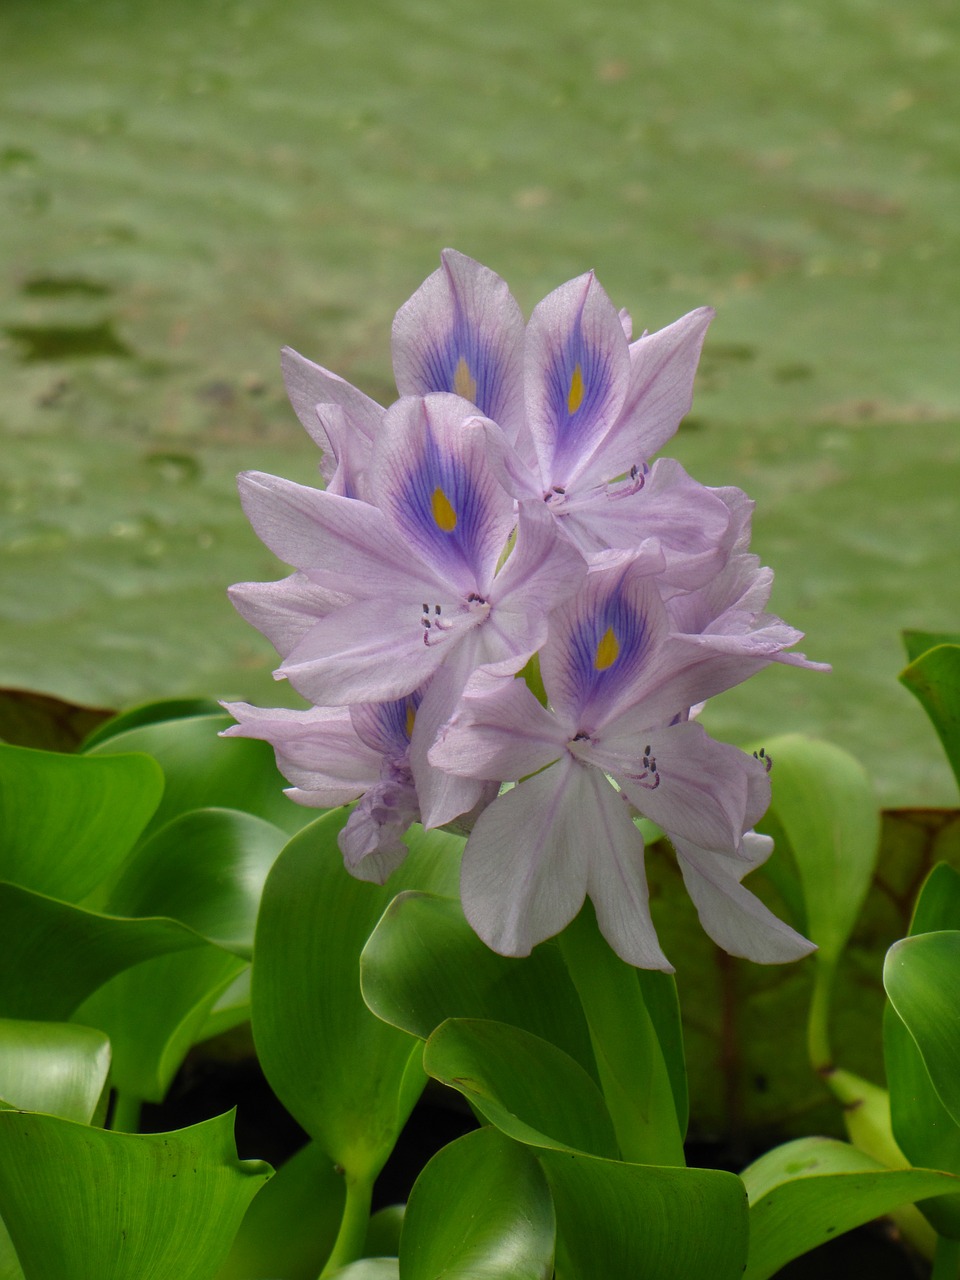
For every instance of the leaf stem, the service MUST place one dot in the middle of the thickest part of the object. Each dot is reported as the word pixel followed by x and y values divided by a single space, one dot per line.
pixel 630 1061
pixel 818 1030
pixel 946 1261
pixel 125 1117
pixel 348 1246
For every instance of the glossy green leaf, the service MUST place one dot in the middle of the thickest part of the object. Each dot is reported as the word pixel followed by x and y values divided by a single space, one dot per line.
pixel 934 679
pixel 69 821
pixel 424 964
pixel 918 643
pixel 937 907
pixel 921 975
pixel 53 1067
pixel 924 1129
pixel 384 1230
pixel 153 1012
pixel 207 869
pixel 809 1191
pixel 289 1229
pixel 480 1210
pixel 87 1204
pixel 54 954
pixel 10 1268
pixel 645 1222
pixel 527 1087
pixel 824 804
pixel 151 713
pixel 368 1269
pixel 348 1078
pixel 203 770
pixel 230 1009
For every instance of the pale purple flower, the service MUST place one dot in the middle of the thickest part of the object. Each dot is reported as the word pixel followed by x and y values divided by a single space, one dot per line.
pixel 618 690
pixel 419 576
pixel 334 755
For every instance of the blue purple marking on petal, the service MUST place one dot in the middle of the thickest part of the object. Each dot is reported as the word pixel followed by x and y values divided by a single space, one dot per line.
pixel 466 364
pixel 594 379
pixel 605 648
pixel 385 727
pixel 460 496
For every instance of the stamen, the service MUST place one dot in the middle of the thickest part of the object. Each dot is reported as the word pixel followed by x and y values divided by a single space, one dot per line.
pixel 464 384
pixel 649 777
pixel 443 512
pixel 608 650
pixel 575 394
pixel 765 760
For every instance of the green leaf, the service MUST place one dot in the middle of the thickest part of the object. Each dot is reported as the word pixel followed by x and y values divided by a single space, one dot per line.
pixel 151 713
pixel 289 1229
pixel 206 869
pixel 527 1087
pixel 925 1131
pixel 921 975
pixel 938 903
pixel 823 802
pixel 368 1269
pixel 54 954
pixel 153 1012
pixel 53 1067
pixel 203 770
pixel 480 1210
pixel 66 848
pixel 348 1078
pixel 645 1222
pixel 934 680
pixel 809 1191
pixel 86 1204
pixel 424 964
pixel 918 643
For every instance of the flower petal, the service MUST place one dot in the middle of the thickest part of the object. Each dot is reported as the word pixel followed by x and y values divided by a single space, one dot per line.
pixel 576 367
pixel 525 868
pixel 462 332
pixel 317 749
pixel 733 917
pixel 344 545
pixel 499 732
pixel 618 884
pixel 604 645
pixel 284 611
pixel 659 394
pixel 430 475
pixel 308 385
pixel 693 787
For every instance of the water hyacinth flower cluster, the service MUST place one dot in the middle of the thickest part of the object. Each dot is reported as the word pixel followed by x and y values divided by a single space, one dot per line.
pixel 504 614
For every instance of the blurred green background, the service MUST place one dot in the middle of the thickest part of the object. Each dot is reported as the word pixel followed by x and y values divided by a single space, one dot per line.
pixel 184 188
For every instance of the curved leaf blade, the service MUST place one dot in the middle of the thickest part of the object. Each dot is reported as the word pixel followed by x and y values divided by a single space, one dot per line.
pixel 934 680
pixel 348 1078
pixel 644 1221
pixel 81 1203
pixel 920 975
pixel 65 849
pixel 509 1228
pixel 808 1191
pixel 53 1067
pixel 527 1087
pixel 423 964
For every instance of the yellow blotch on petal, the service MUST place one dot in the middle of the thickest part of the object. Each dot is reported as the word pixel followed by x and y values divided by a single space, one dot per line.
pixel 608 650
pixel 443 512
pixel 464 383
pixel 411 716
pixel 575 394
